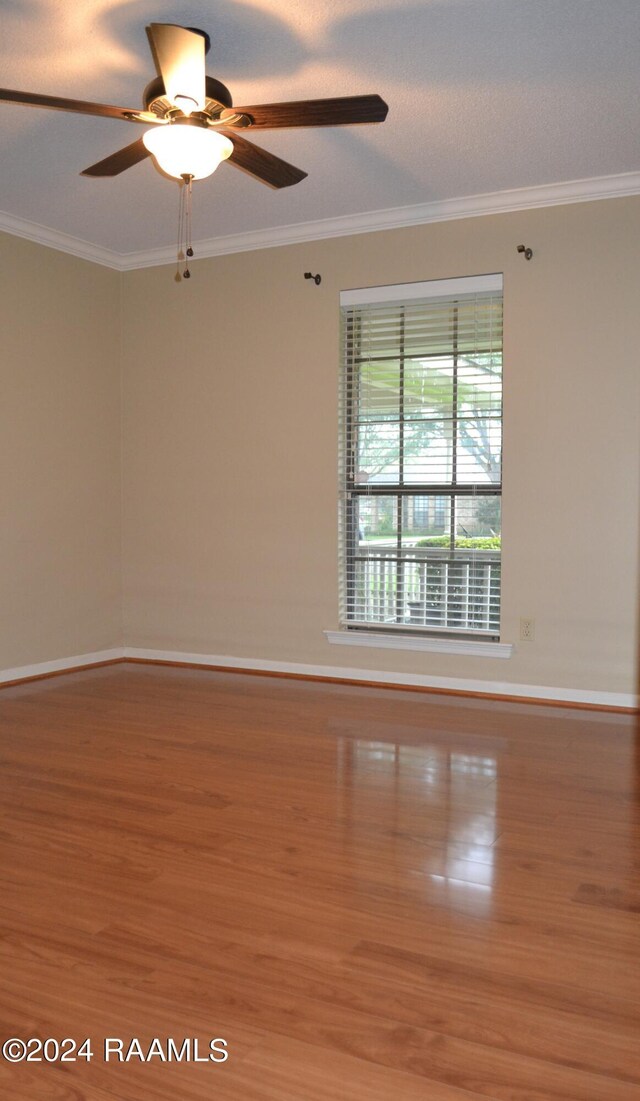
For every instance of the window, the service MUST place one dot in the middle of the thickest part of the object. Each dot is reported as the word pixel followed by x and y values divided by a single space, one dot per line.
pixel 421 442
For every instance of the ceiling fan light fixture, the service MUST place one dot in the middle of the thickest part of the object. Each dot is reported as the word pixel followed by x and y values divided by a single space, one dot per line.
pixel 187 150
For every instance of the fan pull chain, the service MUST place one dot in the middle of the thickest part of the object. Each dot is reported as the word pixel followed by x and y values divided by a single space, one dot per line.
pixel 185 248
pixel 180 255
pixel 189 220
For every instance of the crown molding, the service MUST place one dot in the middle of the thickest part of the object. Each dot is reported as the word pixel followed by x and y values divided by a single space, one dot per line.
pixel 63 242
pixel 442 210
pixel 469 206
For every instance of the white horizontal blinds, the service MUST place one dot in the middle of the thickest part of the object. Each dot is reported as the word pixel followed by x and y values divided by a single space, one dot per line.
pixel 421 409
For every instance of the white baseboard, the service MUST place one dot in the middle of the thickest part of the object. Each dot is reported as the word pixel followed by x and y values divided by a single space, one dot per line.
pixel 578 696
pixel 409 680
pixel 60 665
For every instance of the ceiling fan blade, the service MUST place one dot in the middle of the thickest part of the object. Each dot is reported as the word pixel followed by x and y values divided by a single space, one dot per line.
pixel 55 103
pixel 317 112
pixel 262 165
pixel 179 57
pixel 118 162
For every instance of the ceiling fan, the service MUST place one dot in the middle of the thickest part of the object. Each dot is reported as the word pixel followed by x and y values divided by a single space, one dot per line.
pixel 193 125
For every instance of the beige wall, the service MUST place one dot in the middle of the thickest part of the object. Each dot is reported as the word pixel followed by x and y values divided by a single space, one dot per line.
pixel 59 455
pixel 230 437
pixel 230 396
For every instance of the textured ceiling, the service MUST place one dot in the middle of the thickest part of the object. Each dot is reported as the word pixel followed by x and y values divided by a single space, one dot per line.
pixel 483 95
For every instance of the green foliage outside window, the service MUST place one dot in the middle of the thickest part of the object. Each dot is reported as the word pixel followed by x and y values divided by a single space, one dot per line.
pixel 478 542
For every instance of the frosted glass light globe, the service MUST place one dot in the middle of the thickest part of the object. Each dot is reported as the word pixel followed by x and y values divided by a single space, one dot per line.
pixel 187 150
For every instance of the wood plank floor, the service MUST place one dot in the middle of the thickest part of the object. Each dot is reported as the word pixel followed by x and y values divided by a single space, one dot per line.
pixel 370 895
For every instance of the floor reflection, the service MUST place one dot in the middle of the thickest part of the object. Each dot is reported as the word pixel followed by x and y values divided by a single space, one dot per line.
pixel 431 813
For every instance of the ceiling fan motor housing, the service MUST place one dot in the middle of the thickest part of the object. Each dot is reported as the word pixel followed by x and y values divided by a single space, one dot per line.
pixel 155 98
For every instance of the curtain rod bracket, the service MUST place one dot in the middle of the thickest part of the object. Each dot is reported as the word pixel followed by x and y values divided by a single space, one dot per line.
pixel 528 252
pixel 316 278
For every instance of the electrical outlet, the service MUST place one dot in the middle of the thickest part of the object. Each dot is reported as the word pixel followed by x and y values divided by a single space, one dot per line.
pixel 527 629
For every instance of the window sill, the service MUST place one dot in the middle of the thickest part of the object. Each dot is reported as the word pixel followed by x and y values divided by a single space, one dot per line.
pixel 479 649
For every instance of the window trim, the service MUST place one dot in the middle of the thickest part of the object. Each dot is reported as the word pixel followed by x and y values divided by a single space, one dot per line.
pixel 399 640
pixel 437 638
pixel 433 288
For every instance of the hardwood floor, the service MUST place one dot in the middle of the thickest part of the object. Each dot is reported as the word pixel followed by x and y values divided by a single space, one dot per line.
pixel 370 895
